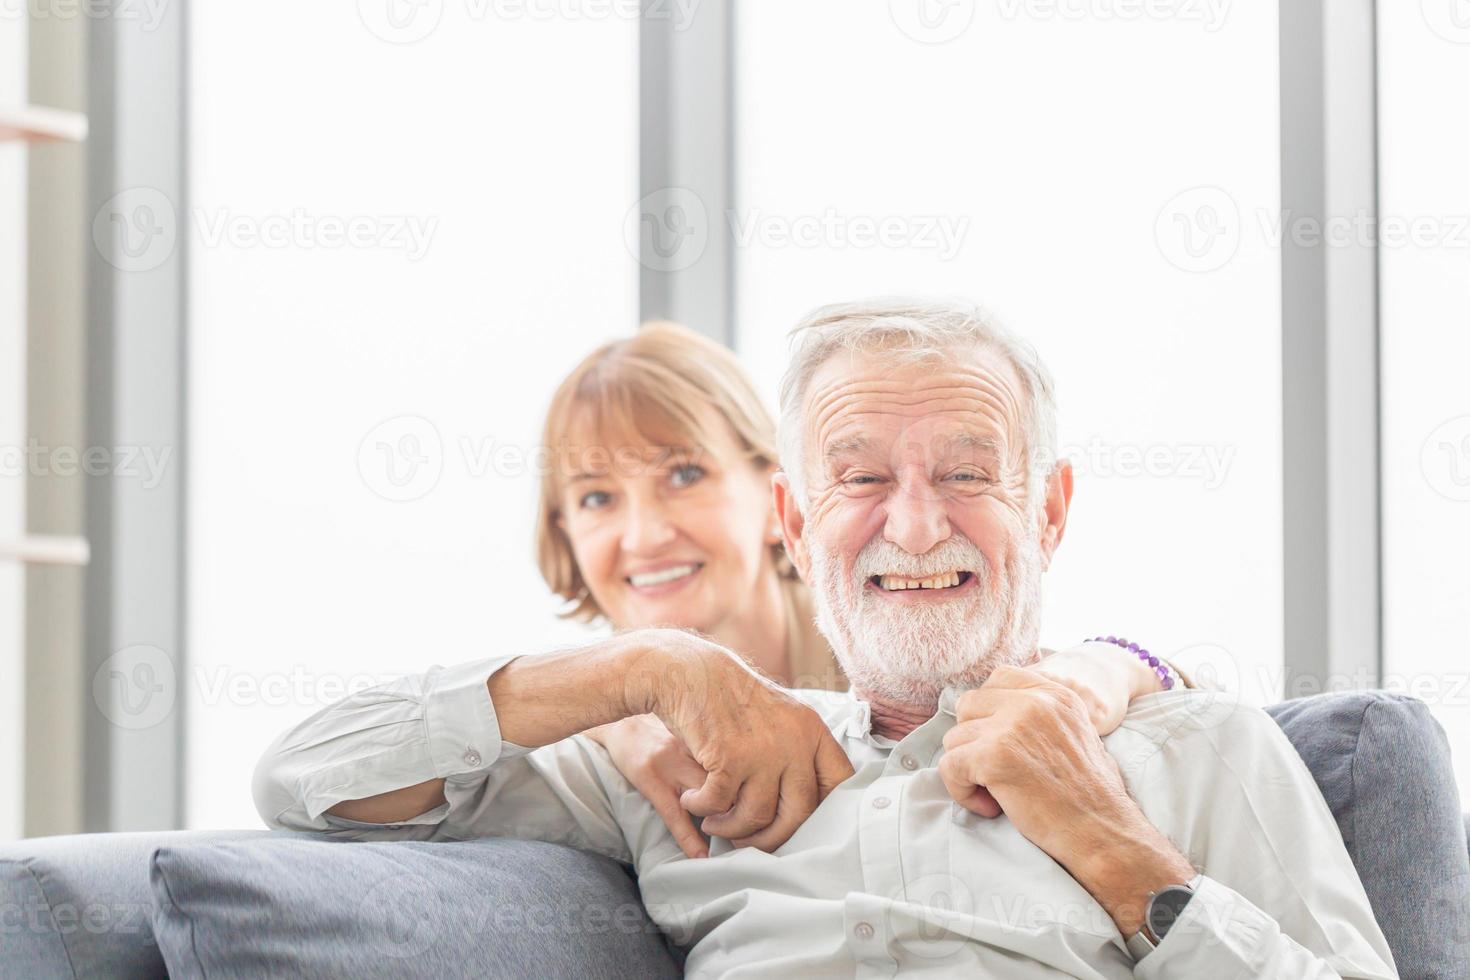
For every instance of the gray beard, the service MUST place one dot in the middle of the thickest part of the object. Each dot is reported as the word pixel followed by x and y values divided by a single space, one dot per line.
pixel 908 654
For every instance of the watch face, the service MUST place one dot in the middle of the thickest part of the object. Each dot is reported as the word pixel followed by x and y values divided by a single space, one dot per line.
pixel 1166 907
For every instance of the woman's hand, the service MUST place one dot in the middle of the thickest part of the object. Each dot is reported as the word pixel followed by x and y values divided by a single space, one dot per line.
pixel 661 768
pixel 1106 677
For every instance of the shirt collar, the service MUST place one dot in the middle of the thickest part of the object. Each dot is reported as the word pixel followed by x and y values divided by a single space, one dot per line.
pixel 860 723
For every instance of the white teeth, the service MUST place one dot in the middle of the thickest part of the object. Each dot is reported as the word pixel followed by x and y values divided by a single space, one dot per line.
pixel 895 583
pixel 667 575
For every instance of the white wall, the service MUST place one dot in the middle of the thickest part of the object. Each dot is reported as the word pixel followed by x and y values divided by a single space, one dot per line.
pixel 314 369
pixel 1068 157
pixel 12 432
pixel 1424 155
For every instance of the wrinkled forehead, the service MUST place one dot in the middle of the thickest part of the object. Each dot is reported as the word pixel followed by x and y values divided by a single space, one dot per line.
pixel 968 401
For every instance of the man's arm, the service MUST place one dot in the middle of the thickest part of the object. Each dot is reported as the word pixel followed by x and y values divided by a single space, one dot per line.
pixel 537 701
pixel 452 745
pixel 1281 897
pixel 422 758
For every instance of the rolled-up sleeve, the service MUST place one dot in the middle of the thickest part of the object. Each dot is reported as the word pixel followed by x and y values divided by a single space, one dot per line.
pixel 1229 785
pixel 440 724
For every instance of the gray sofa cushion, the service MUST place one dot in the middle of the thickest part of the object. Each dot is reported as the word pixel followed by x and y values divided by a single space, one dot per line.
pixel 80 906
pixel 1383 764
pixel 404 909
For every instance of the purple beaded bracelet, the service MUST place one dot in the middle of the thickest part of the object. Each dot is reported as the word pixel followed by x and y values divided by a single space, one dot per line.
pixel 1161 668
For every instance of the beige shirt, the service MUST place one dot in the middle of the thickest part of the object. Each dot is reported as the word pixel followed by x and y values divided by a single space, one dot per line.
pixel 889 875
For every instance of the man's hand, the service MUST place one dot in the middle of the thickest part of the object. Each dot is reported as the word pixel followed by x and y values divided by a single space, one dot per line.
pixel 770 760
pixel 659 766
pixel 1026 744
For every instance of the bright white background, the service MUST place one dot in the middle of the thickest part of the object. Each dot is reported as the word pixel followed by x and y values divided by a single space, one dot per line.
pixel 1109 187
pixel 1066 145
pixel 520 139
pixel 1424 157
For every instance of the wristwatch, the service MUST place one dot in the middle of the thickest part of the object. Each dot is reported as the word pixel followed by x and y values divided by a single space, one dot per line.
pixel 1164 908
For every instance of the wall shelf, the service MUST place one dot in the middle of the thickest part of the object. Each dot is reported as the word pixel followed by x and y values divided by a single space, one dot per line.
pixel 38 124
pixel 46 549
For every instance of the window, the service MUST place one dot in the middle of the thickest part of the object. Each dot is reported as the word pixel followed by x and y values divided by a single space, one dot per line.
pixel 1107 187
pixel 1424 261
pixel 403 235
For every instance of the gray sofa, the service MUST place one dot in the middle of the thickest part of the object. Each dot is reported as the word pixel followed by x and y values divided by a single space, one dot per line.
pixel 254 903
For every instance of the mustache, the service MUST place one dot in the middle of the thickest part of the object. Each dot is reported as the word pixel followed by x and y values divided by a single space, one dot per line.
pixel 954 553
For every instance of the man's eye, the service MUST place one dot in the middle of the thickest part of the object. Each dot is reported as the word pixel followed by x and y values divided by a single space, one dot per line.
pixel 967 477
pixel 595 500
pixel 864 479
pixel 686 475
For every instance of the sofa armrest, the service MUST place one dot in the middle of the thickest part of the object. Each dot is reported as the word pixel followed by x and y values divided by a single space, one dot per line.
pixel 1383 765
pixel 81 906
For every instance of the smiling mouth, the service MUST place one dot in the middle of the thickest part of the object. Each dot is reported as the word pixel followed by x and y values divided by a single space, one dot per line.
pixel 942 582
pixel 664 576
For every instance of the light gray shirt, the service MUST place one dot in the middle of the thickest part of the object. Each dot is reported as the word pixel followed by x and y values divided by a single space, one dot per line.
pixel 889 874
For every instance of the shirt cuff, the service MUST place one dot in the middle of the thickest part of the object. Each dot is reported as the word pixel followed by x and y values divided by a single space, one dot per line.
pixel 1219 933
pixel 459 719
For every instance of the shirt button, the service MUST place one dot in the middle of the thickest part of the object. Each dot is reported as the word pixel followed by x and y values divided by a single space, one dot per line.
pixel 863 931
pixel 910 763
pixel 880 802
pixel 471 757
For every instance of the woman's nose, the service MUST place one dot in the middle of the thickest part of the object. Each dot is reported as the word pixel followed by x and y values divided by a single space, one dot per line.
pixel 647 528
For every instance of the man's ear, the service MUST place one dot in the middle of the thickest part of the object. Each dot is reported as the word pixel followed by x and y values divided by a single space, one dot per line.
pixel 792 522
pixel 1054 513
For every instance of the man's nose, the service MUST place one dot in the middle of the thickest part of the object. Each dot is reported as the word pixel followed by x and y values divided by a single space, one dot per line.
pixel 917 519
pixel 647 528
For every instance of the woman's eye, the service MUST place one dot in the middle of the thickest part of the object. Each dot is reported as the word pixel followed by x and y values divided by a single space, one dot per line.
pixel 686 475
pixel 594 500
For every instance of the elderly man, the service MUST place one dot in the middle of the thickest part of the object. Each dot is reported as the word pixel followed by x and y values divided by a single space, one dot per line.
pixel 969 818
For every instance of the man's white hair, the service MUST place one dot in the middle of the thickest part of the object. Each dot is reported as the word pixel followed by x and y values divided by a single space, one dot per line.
pixel 913 329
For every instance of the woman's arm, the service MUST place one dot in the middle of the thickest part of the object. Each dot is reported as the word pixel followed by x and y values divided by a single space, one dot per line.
pixel 1106 676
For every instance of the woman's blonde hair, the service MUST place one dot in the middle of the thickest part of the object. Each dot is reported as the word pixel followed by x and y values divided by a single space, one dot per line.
pixel 664 386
